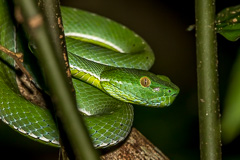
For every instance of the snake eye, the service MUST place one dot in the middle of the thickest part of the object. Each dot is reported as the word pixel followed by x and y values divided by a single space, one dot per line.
pixel 145 81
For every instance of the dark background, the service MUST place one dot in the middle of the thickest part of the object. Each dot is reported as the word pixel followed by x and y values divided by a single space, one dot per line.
pixel 163 24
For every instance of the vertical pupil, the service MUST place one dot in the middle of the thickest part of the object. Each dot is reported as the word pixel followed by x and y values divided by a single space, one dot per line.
pixel 145 82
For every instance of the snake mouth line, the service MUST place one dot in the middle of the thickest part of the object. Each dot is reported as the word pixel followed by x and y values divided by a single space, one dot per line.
pixel 133 95
pixel 146 103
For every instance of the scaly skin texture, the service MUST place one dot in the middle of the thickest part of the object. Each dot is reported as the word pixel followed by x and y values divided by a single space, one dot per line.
pixel 18 113
pixel 109 120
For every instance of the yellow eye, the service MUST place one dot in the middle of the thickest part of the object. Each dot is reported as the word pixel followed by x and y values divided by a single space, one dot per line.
pixel 145 81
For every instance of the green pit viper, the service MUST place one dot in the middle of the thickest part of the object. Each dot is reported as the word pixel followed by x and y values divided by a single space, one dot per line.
pixel 102 53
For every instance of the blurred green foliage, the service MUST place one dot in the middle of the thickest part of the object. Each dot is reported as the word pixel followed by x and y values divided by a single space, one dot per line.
pixel 231 111
pixel 228 25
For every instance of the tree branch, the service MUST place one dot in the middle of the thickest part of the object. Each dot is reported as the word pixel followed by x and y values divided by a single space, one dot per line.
pixel 135 147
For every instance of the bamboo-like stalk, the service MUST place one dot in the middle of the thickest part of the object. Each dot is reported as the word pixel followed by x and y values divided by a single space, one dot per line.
pixel 54 68
pixel 207 72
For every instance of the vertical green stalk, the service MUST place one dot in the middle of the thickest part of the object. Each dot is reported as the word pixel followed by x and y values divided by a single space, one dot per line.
pixel 60 90
pixel 207 72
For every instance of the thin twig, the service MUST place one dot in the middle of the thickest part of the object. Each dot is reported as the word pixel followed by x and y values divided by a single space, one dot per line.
pixel 18 57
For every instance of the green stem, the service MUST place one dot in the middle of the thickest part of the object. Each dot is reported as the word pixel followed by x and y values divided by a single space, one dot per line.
pixel 207 69
pixel 54 68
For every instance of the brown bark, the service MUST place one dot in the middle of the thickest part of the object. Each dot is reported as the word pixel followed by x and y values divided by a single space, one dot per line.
pixel 52 14
pixel 136 146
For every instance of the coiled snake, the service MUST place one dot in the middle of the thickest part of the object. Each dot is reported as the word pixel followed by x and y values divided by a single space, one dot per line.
pixel 108 56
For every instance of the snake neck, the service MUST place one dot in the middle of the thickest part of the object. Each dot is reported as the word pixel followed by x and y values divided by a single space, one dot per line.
pixel 86 70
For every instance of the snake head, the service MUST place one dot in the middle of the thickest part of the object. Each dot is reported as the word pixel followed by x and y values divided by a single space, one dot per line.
pixel 139 87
